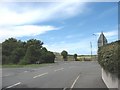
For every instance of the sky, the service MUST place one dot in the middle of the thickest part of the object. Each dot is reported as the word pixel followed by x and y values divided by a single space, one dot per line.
pixel 69 26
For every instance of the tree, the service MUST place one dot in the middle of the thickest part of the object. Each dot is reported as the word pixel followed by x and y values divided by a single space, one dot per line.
pixel 75 57
pixel 33 51
pixel 50 57
pixel 29 57
pixel 44 49
pixel 47 56
pixel 17 52
pixel 8 47
pixel 37 43
pixel 64 54
pixel 17 55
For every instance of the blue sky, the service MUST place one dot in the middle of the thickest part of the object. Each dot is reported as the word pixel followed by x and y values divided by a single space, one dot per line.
pixel 60 25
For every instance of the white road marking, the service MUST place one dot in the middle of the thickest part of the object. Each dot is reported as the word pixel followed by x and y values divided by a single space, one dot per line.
pixel 59 69
pixel 74 82
pixel 40 75
pixel 14 85
pixel 7 75
pixel 25 71
pixel 64 88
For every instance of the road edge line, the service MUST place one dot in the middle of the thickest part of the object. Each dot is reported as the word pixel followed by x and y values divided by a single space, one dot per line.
pixel 14 85
pixel 74 82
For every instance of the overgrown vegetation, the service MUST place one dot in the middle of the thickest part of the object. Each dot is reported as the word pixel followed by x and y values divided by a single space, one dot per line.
pixel 17 52
pixel 109 57
pixel 28 65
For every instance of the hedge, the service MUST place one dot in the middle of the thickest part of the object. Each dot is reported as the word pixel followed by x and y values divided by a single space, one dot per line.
pixel 109 57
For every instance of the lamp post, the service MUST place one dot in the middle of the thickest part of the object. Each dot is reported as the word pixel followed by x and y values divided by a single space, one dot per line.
pixel 96 44
pixel 91 49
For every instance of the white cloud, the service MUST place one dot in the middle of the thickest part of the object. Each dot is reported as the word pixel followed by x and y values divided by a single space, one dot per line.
pixel 109 33
pixel 59 0
pixel 29 13
pixel 25 30
pixel 17 19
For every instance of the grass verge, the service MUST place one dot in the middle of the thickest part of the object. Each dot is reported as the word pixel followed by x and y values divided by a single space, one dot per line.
pixel 22 66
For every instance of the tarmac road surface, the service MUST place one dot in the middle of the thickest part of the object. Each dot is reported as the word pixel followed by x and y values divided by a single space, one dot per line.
pixel 65 74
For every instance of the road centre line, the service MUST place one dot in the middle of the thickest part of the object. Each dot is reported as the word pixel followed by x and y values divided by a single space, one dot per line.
pixel 59 69
pixel 25 71
pixel 40 75
pixel 74 82
pixel 8 75
pixel 14 85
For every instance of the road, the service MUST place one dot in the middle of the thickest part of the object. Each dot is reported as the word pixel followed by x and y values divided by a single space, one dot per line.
pixel 66 74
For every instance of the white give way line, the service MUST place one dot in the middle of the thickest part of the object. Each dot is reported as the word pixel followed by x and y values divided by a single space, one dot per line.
pixel 40 75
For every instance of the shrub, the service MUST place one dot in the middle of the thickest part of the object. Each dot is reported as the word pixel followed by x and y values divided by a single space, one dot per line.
pixel 108 57
pixel 64 54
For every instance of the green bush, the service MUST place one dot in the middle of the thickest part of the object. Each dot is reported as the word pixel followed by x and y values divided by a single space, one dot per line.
pixel 64 54
pixel 23 62
pixel 17 52
pixel 108 57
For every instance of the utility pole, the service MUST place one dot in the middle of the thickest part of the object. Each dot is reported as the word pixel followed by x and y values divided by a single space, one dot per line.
pixel 91 49
pixel 96 48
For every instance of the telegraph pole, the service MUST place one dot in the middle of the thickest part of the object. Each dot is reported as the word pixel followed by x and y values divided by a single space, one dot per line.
pixel 91 49
pixel 96 48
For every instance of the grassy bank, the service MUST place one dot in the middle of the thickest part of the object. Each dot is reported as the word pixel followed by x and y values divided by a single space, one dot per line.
pixel 86 57
pixel 22 66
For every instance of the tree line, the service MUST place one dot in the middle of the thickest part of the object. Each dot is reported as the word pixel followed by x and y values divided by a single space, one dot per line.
pixel 30 52
pixel 65 55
